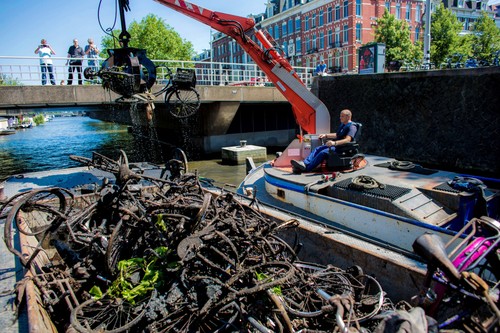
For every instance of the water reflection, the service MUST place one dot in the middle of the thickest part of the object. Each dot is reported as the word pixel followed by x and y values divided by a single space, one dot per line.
pixel 48 147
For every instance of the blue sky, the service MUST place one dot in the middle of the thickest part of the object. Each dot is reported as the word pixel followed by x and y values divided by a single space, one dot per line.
pixel 23 23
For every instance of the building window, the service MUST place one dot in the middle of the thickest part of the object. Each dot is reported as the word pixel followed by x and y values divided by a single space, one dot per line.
pixel 388 6
pixel 284 31
pixel 307 22
pixel 330 15
pixel 337 12
pixel 398 11
pixel 285 48
pixel 346 59
pixel 314 42
pixel 417 33
pixel 321 18
pixel 298 46
pixel 276 32
pixel 298 25
pixel 308 44
pixel 330 38
pixel 358 7
pixel 313 21
pixel 359 27
pixel 337 39
pixel 270 30
pixel 346 8
pixel 290 26
pixel 408 10
pixel 418 13
pixel 346 34
pixel 321 40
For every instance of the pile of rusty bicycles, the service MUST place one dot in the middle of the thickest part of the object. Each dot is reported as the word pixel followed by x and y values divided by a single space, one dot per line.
pixel 160 254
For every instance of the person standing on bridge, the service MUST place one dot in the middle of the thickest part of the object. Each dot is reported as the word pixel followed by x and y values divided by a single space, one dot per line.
pixel 92 53
pixel 45 52
pixel 75 56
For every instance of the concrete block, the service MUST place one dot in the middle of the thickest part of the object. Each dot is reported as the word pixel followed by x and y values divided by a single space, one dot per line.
pixel 238 154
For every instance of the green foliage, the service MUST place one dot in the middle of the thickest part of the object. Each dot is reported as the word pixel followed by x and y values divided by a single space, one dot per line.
pixel 160 41
pixel 395 34
pixel 445 29
pixel 6 80
pixel 96 292
pixel 262 277
pixel 39 119
pixel 128 286
pixel 486 39
pixel 160 223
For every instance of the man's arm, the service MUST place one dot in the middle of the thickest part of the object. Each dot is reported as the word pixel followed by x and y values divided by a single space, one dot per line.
pixel 328 136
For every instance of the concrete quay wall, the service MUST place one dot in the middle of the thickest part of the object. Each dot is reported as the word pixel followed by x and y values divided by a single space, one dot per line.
pixel 448 119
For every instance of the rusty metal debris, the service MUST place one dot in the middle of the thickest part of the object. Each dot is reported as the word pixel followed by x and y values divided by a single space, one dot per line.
pixel 167 256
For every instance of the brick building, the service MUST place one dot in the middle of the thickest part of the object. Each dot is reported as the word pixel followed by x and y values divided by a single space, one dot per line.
pixel 314 30
pixel 333 30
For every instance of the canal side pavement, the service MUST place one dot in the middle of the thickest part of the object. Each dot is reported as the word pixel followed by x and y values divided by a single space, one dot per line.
pixel 11 271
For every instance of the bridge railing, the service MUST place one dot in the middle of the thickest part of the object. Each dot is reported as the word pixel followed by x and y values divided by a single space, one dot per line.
pixel 26 71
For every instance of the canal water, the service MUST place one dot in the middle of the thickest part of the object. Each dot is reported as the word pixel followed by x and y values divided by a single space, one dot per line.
pixel 49 145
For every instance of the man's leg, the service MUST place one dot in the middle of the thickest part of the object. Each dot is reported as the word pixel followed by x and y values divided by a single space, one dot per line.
pixel 51 74
pixel 70 75
pixel 44 74
pixel 79 70
pixel 317 156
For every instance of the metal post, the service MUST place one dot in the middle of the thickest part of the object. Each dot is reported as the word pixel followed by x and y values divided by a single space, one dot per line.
pixel 211 58
pixel 427 36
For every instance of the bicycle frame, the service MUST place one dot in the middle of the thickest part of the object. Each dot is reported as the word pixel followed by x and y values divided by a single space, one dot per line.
pixel 459 266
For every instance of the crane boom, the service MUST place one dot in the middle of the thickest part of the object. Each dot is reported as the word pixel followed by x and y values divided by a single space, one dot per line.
pixel 310 113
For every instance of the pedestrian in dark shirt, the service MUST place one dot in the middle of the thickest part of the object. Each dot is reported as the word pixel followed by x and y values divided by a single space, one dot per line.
pixel 75 57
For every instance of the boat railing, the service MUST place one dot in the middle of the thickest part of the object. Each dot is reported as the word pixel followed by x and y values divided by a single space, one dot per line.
pixel 23 70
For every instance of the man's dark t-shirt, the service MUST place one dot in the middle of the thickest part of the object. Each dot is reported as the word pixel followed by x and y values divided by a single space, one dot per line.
pixel 76 52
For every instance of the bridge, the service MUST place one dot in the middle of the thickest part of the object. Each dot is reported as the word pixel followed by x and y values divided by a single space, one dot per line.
pixel 15 100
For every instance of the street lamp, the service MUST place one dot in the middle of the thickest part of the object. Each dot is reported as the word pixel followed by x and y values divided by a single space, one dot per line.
pixel 427 36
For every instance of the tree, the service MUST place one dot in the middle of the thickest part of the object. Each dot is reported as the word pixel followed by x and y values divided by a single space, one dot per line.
pixel 7 80
pixel 445 41
pixel 395 34
pixel 160 40
pixel 486 38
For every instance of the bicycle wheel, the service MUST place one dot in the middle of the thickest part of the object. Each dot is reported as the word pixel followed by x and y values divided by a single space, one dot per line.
pixel 181 156
pixel 123 159
pixel 117 245
pixel 41 208
pixel 183 103
pixel 300 296
pixel 107 315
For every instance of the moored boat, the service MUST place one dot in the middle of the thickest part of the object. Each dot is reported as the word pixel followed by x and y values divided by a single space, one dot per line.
pixel 382 200
pixel 7 131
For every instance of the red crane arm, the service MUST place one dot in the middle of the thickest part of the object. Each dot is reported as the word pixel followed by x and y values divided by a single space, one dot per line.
pixel 310 113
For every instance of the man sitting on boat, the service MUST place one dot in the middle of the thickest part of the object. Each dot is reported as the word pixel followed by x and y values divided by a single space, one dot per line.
pixel 345 134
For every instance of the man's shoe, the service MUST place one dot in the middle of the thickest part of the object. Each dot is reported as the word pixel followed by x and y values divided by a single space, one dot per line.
pixel 296 171
pixel 299 165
